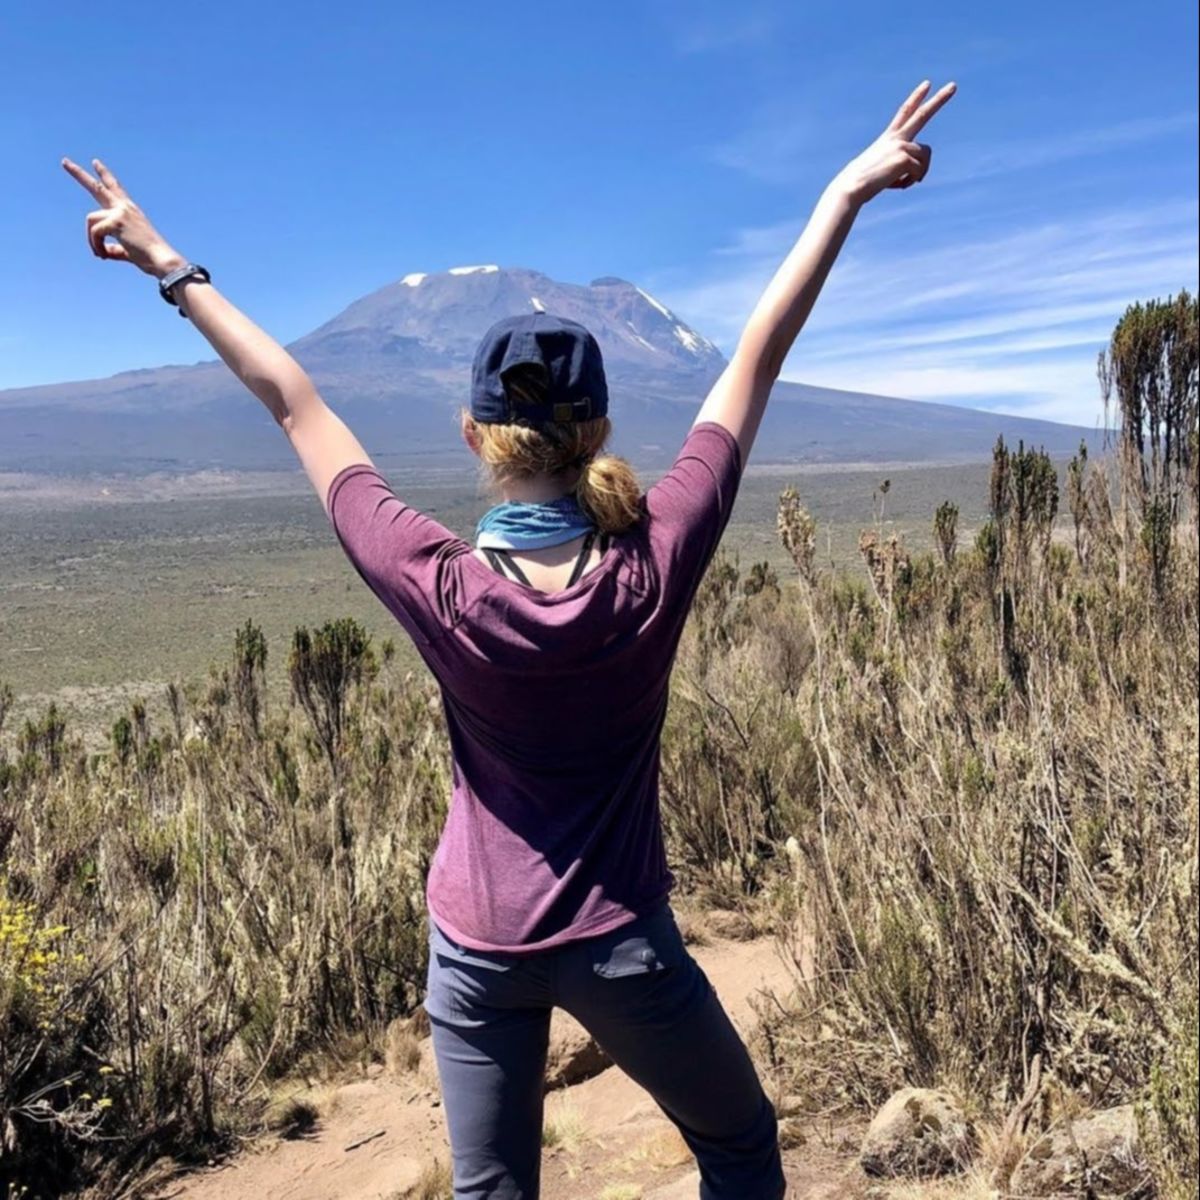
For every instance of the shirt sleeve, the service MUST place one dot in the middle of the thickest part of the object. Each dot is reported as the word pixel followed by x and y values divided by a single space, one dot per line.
pixel 405 557
pixel 689 507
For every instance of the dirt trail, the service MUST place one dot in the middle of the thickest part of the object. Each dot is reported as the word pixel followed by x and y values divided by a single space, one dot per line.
pixel 377 1136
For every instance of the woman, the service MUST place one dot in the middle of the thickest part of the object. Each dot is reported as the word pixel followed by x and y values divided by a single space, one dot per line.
pixel 552 640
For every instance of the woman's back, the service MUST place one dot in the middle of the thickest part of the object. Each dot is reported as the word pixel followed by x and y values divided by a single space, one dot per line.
pixel 554 701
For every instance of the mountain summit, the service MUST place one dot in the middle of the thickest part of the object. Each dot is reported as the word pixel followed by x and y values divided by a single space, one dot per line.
pixel 437 320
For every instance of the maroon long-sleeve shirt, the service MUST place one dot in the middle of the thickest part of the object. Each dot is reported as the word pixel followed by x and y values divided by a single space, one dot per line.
pixel 554 701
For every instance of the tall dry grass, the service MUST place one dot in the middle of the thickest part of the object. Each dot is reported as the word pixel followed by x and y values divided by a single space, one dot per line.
pixel 980 769
pixel 203 908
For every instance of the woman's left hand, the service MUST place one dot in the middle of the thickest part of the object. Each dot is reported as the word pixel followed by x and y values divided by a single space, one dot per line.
pixel 893 159
pixel 137 241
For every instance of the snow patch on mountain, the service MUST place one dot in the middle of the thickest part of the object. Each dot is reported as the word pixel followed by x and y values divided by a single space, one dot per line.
pixel 413 280
pixel 639 339
pixel 666 312
pixel 690 340
pixel 538 306
pixel 490 269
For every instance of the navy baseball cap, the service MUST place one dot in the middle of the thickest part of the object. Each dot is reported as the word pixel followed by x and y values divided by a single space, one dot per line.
pixel 563 350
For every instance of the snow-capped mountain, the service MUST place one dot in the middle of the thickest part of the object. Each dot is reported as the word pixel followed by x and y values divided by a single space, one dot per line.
pixel 438 319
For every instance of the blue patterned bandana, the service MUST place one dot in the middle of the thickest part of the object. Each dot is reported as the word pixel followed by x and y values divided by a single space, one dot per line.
pixel 520 525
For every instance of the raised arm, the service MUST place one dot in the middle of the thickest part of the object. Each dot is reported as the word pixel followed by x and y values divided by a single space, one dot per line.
pixel 320 438
pixel 894 160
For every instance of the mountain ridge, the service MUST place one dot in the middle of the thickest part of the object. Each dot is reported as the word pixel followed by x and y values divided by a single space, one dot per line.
pixel 396 363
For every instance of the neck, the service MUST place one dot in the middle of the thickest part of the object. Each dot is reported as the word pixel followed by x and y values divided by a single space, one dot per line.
pixel 540 489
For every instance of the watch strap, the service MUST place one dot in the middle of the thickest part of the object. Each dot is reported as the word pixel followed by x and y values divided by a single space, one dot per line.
pixel 187 271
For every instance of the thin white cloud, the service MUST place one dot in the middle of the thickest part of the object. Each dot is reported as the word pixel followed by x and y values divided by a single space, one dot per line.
pixel 976 162
pixel 773 145
pixel 1011 320
pixel 719 33
pixel 1063 409
pixel 708 26
pixel 983 380
pixel 780 141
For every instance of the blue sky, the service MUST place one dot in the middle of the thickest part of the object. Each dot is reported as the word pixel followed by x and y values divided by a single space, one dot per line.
pixel 309 153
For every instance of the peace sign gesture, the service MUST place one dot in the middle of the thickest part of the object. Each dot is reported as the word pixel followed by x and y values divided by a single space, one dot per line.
pixel 895 159
pixel 137 241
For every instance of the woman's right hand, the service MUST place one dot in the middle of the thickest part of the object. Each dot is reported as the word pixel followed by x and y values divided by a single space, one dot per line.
pixel 137 241
pixel 895 159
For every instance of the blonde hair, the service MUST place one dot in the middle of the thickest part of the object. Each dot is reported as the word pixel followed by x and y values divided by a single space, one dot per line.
pixel 607 489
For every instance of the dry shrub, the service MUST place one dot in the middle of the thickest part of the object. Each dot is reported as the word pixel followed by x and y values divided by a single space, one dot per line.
pixel 293 1116
pixel 563 1127
pixel 999 861
pixel 436 1183
pixel 402 1052
pixel 736 761
pixel 226 902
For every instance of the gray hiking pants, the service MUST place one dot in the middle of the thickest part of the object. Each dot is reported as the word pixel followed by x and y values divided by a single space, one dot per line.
pixel 647 1002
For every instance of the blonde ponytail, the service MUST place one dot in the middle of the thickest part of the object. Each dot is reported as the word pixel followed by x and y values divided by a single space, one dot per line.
pixel 609 493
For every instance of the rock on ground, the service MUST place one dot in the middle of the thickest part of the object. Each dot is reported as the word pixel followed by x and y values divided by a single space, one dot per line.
pixel 1098 1156
pixel 574 1054
pixel 918 1132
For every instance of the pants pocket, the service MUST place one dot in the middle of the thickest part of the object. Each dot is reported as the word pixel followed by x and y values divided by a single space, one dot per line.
pixel 644 946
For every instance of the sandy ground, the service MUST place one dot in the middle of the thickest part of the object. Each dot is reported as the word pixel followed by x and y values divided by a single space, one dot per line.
pixel 378 1135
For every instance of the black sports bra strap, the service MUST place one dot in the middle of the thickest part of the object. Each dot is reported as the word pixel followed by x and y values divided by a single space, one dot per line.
pixel 501 562
pixel 585 552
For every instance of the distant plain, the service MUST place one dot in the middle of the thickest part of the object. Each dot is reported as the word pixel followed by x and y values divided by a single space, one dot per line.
pixel 113 587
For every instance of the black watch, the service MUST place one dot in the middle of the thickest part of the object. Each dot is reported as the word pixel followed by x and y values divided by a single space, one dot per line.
pixel 187 271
